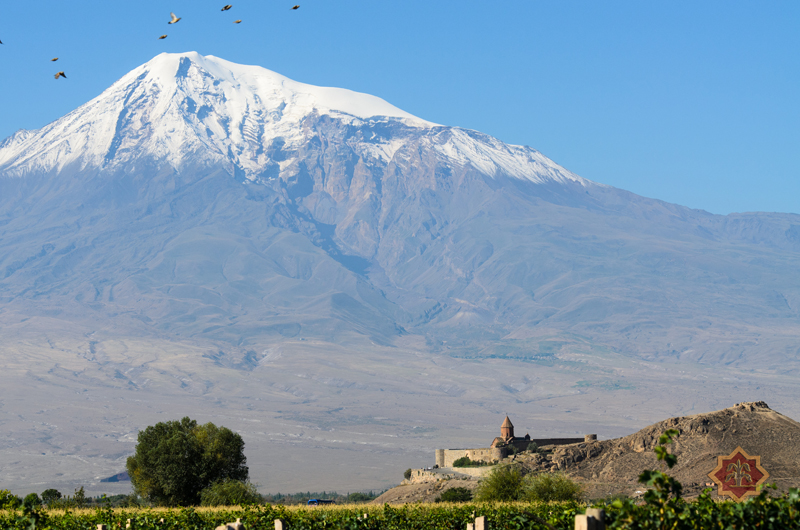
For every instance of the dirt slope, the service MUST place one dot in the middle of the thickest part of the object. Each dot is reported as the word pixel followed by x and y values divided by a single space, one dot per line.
pixel 612 466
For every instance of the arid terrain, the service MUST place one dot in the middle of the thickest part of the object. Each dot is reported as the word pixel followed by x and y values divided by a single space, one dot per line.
pixel 611 467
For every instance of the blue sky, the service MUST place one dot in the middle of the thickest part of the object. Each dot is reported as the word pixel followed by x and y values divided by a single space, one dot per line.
pixel 696 103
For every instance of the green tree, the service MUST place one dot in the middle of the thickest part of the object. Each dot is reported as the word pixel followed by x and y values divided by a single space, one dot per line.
pixel 31 500
pixel 9 501
pixel 230 493
pixel 455 495
pixel 176 460
pixel 547 487
pixel 359 497
pixel 49 496
pixel 407 474
pixel 503 483
pixel 80 497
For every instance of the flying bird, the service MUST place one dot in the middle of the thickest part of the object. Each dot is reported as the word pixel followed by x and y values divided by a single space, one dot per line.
pixel 60 74
pixel 296 7
pixel 174 19
pixel 54 59
pixel 237 21
pixel 162 37
pixel 225 8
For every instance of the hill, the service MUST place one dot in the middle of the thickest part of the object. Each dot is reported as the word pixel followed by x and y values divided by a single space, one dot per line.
pixel 611 466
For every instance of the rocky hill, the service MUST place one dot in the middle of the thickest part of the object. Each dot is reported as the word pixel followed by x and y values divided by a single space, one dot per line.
pixel 612 466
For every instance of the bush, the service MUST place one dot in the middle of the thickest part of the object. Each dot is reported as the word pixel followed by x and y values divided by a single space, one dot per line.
pixel 358 497
pixel 504 483
pixel 31 500
pixel 9 501
pixel 230 493
pixel 548 487
pixel 407 474
pixel 464 461
pixel 455 495
pixel 533 447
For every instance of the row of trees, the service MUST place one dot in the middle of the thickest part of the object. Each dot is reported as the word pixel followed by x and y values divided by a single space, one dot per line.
pixel 52 498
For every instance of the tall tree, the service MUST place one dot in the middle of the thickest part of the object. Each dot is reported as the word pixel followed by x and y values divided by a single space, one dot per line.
pixel 176 460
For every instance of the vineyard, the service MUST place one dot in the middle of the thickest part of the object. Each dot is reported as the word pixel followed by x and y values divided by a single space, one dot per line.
pixel 761 512
pixel 513 516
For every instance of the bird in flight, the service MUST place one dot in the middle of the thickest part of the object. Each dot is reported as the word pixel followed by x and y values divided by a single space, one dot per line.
pixel 54 59
pixel 61 74
pixel 162 37
pixel 225 8
pixel 237 21
pixel 296 7
pixel 174 19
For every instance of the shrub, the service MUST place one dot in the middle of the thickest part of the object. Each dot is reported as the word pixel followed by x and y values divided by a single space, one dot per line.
pixel 504 483
pixel 407 474
pixel 359 497
pixel 548 487
pixel 9 501
pixel 31 500
pixel 464 461
pixel 533 447
pixel 455 495
pixel 230 493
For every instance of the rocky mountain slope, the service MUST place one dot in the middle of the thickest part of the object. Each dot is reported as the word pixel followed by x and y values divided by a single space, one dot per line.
pixel 206 200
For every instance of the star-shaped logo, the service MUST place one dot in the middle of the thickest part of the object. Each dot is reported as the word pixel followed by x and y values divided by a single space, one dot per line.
pixel 738 474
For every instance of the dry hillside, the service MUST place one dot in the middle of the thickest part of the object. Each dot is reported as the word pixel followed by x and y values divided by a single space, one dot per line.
pixel 613 466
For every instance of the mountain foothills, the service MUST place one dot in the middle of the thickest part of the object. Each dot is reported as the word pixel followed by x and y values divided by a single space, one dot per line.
pixel 216 232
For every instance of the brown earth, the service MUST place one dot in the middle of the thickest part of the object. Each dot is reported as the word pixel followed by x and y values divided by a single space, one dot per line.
pixel 611 467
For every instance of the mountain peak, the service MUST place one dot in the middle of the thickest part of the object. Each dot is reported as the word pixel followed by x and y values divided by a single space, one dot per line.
pixel 178 70
pixel 181 108
pixel 179 104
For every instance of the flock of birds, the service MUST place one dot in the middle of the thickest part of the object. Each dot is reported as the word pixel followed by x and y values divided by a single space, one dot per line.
pixel 226 7
pixel 174 20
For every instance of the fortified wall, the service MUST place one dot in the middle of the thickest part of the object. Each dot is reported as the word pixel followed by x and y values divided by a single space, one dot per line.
pixel 503 446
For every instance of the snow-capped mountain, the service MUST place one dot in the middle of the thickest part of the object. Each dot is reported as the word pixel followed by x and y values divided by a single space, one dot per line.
pixel 219 202
pixel 185 106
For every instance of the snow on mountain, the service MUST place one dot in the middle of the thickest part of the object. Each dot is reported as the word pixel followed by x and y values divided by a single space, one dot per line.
pixel 186 106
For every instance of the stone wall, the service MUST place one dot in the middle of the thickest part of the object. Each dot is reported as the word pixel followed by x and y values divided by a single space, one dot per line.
pixel 446 457
pixel 426 476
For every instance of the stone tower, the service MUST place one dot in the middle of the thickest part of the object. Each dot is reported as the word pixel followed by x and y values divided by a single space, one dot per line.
pixel 507 430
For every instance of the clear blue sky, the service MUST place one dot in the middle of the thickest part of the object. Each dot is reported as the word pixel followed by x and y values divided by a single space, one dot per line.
pixel 696 103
